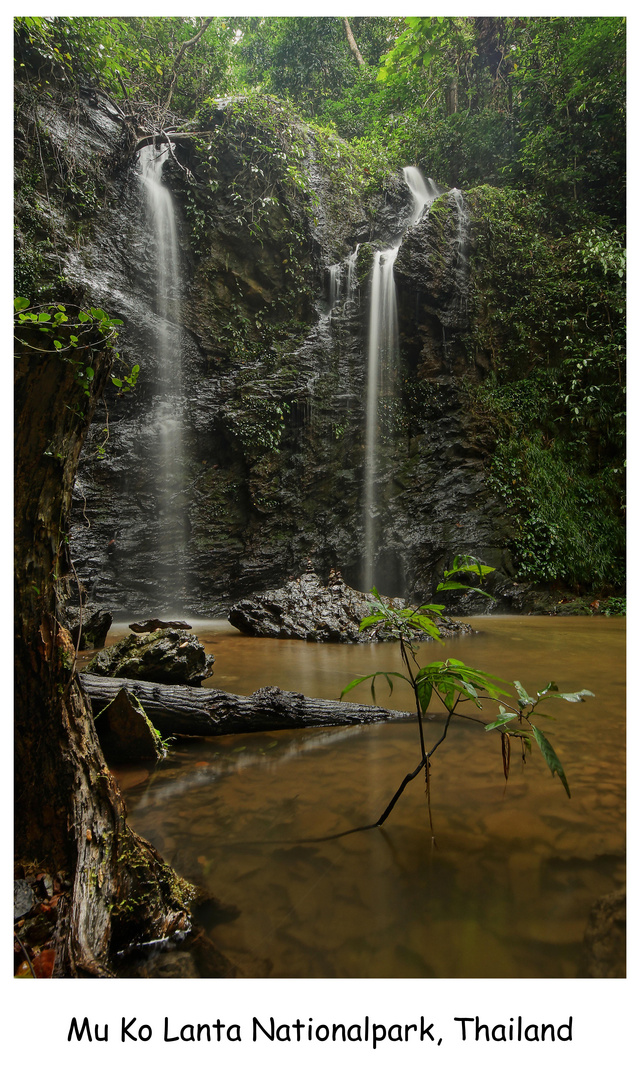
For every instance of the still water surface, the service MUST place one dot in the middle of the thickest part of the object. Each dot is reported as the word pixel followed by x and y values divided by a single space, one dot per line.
pixel 505 890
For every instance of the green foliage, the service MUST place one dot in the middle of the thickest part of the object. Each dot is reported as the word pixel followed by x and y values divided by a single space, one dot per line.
pixel 568 523
pixel 307 59
pixel 551 415
pixel 452 682
pixel 465 564
pixel 570 76
pixel 74 337
pixel 614 605
pixel 135 58
pixel 260 423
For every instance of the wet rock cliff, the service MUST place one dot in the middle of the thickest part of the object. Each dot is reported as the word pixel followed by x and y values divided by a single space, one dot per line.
pixel 276 227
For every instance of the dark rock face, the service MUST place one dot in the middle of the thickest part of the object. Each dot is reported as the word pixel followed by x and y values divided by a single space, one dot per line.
pixel 308 609
pixel 165 656
pixel 93 630
pixel 273 381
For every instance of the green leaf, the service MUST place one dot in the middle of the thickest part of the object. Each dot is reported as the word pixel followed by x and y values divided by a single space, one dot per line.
pixel 44 317
pixel 388 675
pixel 83 317
pixel 523 696
pixel 498 723
pixel 20 302
pixel 424 690
pixel 427 625
pixel 444 586
pixel 578 695
pixel 551 757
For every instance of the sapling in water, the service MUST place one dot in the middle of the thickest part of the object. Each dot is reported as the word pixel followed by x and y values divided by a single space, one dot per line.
pixel 453 683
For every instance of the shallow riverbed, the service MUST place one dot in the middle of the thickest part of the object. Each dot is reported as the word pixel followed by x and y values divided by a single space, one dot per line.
pixel 505 889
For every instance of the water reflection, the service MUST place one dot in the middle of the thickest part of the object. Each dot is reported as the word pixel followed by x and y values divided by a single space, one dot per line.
pixel 506 891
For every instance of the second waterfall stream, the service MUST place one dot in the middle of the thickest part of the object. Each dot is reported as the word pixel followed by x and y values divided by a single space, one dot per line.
pixel 382 357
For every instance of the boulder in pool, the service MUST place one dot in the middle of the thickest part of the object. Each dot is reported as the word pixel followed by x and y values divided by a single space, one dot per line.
pixel 306 608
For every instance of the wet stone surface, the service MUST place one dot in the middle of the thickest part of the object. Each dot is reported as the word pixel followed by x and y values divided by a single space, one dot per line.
pixel 306 608
pixel 165 656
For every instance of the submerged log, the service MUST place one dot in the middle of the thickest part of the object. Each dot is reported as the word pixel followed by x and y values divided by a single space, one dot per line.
pixel 188 710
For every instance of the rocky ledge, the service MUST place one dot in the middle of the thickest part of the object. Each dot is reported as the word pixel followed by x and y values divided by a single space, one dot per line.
pixel 306 608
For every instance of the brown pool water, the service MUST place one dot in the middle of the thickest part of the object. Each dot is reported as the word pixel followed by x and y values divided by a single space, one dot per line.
pixel 506 889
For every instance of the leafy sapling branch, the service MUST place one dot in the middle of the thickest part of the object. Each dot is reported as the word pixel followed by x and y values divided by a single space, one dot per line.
pixel 453 683
pixel 72 336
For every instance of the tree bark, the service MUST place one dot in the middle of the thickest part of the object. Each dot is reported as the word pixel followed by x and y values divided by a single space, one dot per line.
pixel 352 43
pixel 69 815
pixel 452 96
pixel 186 710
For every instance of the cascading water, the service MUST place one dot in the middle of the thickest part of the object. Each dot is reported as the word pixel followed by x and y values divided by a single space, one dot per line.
pixel 167 422
pixel 382 358
pixel 351 275
pixel 382 361
pixel 461 267
pixel 334 284
pixel 423 191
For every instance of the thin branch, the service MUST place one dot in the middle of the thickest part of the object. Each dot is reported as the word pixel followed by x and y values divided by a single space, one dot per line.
pixel 184 168
pixel 179 56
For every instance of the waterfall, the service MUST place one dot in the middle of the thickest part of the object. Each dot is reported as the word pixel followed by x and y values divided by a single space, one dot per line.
pixel 167 423
pixel 423 192
pixel 351 275
pixel 382 360
pixel 334 284
pixel 461 266
pixel 383 350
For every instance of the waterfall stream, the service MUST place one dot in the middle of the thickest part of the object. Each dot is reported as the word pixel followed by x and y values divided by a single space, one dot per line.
pixel 167 420
pixel 382 359
pixel 334 284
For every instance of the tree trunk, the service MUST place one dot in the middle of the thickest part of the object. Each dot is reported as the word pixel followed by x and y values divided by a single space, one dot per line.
pixel 69 815
pixel 352 43
pixel 452 96
pixel 186 710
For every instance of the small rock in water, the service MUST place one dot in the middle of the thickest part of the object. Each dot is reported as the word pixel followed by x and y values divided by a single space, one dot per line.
pixel 158 624
pixel 169 965
pixel 604 941
pixel 164 656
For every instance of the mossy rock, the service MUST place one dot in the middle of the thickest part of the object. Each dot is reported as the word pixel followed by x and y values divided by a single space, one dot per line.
pixel 125 732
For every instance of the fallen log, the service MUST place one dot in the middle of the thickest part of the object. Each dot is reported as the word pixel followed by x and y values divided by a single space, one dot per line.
pixel 188 710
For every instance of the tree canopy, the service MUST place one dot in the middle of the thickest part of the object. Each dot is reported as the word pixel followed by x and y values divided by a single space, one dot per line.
pixel 518 101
